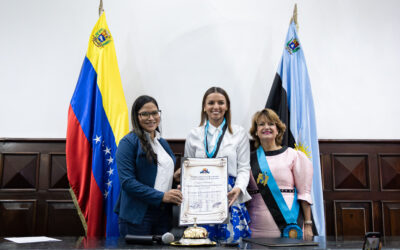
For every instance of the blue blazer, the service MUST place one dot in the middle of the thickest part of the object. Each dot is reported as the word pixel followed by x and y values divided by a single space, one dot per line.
pixel 137 177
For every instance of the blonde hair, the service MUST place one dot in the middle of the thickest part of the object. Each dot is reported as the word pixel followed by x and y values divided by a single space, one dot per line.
pixel 271 116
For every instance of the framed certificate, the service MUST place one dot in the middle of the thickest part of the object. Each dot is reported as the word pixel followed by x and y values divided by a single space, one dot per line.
pixel 204 184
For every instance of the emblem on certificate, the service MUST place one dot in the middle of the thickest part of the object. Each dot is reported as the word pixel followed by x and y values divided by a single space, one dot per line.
pixel 204 183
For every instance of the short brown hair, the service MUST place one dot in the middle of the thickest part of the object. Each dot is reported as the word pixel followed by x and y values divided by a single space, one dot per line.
pixel 227 114
pixel 272 117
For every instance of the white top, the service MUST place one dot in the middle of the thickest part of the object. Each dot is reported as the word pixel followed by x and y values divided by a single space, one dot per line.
pixel 235 146
pixel 165 166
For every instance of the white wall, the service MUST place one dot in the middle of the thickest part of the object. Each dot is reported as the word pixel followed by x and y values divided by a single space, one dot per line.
pixel 176 49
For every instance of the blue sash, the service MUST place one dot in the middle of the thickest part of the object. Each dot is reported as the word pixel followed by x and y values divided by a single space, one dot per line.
pixel 291 230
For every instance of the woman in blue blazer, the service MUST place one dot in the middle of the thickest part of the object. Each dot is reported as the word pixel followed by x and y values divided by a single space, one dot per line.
pixel 145 165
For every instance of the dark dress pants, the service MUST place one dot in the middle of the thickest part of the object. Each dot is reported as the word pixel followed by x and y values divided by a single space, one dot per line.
pixel 156 221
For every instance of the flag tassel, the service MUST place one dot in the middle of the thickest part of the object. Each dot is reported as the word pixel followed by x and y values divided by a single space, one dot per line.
pixel 78 209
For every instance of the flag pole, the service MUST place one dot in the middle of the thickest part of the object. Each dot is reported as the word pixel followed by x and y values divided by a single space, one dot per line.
pixel 294 17
pixel 101 10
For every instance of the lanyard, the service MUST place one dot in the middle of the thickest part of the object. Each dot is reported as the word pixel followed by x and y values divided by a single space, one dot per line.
pixel 217 143
pixel 289 215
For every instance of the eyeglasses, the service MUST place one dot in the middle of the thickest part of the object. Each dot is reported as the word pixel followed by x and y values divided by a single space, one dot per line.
pixel 154 114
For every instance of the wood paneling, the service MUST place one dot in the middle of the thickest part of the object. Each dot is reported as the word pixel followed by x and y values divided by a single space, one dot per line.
pixel 353 219
pixel 18 217
pixel 20 170
pixel 178 147
pixel 389 167
pixel 359 177
pixel 34 196
pixel 59 213
pixel 391 217
pixel 350 172
pixel 58 179
pixel 361 184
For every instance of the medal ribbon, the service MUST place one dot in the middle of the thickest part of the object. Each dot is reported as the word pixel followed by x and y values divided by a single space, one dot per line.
pixel 217 143
pixel 290 216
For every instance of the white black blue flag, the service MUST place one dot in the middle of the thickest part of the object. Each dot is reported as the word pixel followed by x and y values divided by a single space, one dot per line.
pixel 291 98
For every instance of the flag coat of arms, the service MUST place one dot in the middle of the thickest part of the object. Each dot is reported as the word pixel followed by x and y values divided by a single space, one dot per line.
pixel 291 98
pixel 97 120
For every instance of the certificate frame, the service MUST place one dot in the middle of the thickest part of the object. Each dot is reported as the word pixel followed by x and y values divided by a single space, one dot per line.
pixel 204 185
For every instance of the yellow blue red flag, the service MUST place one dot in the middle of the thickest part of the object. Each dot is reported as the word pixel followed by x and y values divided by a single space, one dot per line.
pixel 97 120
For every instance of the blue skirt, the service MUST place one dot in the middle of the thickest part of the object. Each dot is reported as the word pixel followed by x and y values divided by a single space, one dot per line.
pixel 238 226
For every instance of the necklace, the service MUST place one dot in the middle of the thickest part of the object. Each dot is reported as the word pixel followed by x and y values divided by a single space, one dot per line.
pixel 221 134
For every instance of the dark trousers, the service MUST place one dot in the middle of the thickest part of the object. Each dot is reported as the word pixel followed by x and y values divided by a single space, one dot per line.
pixel 156 221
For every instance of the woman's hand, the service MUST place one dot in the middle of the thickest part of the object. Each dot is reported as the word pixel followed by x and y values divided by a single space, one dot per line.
pixel 177 175
pixel 173 196
pixel 233 194
pixel 308 233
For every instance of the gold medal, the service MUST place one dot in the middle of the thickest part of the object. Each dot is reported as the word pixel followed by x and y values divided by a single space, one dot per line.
pixel 293 233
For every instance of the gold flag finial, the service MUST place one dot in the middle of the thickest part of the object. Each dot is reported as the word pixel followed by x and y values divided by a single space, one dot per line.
pixel 101 10
pixel 294 17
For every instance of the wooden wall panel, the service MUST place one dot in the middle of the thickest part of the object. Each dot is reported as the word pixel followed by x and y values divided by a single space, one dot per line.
pixel 361 184
pixel 58 179
pixel 350 172
pixel 178 147
pixel 359 175
pixel 18 217
pixel 391 218
pixel 34 189
pixel 353 219
pixel 20 170
pixel 63 213
pixel 326 172
pixel 389 168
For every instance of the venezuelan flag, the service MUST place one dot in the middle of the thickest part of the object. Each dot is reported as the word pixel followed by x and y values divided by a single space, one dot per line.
pixel 97 120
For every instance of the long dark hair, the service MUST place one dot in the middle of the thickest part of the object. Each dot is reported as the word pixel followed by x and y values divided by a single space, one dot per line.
pixel 138 130
pixel 227 114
